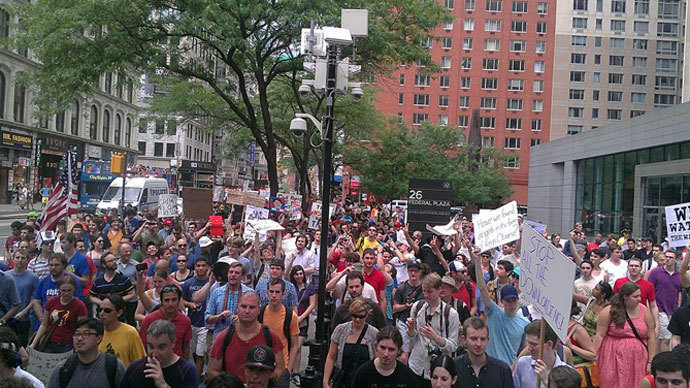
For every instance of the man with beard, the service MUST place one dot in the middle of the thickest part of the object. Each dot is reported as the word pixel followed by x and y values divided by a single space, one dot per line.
pixel 170 302
pixel 196 311
pixel 111 282
pixel 118 337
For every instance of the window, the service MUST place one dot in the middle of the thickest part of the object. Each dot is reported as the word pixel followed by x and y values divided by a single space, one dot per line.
pixel 639 79
pixel 446 43
pixel 618 6
pixel 597 41
pixel 661 100
pixel 516 85
pixel 467 43
pixel 598 24
pixel 400 118
pixel 576 112
pixel 489 83
pixel 488 103
pixel 574 129
pixel 19 102
pixel 516 65
pixel 540 47
pixel 469 24
pixel 616 60
pixel 449 4
pixel 402 80
pixel 519 7
pixel 118 129
pixel 143 125
pixel 93 124
pixel 108 83
pixel 3 80
pixel 418 118
pixel 74 118
pixel 466 63
pixel 514 123
pixel 518 46
pixel 490 64
pixel 534 142
pixel 596 77
pixel 617 43
pixel 514 104
pixel 157 149
pixel 541 27
pixel 518 26
pixel 445 62
pixel 463 121
pixel 172 127
pixel 615 96
pixel 578 58
pixel 421 99
pixel 595 95
pixel 615 79
pixel 4 23
pixel 106 126
pixel 488 141
pixel 642 7
pixel 538 86
pixel 600 5
pixel 640 62
pixel 667 29
pixel 422 80
pixel 491 44
pixel 448 26
pixel 512 163
pixel 488 122
pixel 142 147
pixel 539 66
pixel 443 101
pixel 469 5
pixel 464 102
pixel 640 44
pixel 170 150
pixel 597 59
pixel 427 42
pixel 128 132
pixel 160 126
pixel 666 65
pixel 664 83
pixel 465 82
pixel 401 98
pixel 580 23
pixel 442 120
pixel 537 105
pixel 595 113
pixel 613 114
pixel 578 41
pixel 492 25
pixel 536 125
pixel 635 113
pixel 666 47
pixel 579 5
pixel 669 9
pixel 576 94
pixel 542 8
pixel 444 81
pixel 638 98
pixel 618 25
pixel 577 76
pixel 641 27
pixel 494 5
pixel 512 143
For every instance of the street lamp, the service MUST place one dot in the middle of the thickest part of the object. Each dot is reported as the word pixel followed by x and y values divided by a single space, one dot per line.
pixel 331 78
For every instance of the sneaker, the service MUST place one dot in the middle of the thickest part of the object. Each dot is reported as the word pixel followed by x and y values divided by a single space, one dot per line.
pixel 295 379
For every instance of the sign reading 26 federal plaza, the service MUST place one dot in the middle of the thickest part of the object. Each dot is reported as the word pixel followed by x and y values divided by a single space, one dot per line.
pixel 428 202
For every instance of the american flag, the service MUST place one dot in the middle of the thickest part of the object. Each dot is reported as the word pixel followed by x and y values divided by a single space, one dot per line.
pixel 64 197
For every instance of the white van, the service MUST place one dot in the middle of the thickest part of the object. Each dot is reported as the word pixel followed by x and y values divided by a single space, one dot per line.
pixel 140 192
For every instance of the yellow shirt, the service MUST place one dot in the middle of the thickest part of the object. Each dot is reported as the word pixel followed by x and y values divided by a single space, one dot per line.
pixel 274 320
pixel 366 244
pixel 125 342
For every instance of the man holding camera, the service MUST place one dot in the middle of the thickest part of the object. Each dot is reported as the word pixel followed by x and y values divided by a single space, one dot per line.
pixel 405 296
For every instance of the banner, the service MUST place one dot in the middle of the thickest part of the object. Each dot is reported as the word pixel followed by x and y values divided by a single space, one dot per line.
pixel 244 198
pixel 539 227
pixel 41 364
pixel 678 224
pixel 167 206
pixel 493 228
pixel 315 215
pixel 251 214
pixel 198 204
pixel 546 278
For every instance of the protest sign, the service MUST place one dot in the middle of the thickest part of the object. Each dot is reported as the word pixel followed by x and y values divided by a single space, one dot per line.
pixel 167 206
pixel 294 206
pixel 41 364
pixel 444 230
pixel 546 278
pixel 493 228
pixel 251 214
pixel 243 198
pixel 539 227
pixel 678 224
pixel 288 245
pixel 198 203
pixel 315 214
pixel 428 203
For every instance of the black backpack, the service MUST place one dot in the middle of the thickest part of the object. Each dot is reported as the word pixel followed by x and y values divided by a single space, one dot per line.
pixel 67 369
pixel 231 331
pixel 286 323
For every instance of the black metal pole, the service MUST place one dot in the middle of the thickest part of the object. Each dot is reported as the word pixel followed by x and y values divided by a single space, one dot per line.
pixel 124 178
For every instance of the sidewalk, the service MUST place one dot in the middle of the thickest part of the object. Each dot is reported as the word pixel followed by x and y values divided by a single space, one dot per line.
pixel 12 211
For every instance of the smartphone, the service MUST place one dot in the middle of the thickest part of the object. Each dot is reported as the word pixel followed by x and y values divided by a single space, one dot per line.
pixel 141 267
pixel 358 267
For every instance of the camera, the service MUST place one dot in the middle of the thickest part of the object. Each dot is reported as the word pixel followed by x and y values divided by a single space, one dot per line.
pixel 304 90
pixel 357 93
pixel 298 126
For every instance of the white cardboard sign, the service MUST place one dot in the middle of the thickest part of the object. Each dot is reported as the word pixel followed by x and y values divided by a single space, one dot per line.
pixel 678 224
pixel 251 215
pixel 41 364
pixel 493 228
pixel 546 278
pixel 167 206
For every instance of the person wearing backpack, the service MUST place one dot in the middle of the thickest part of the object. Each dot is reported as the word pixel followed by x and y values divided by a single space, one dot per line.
pixel 283 321
pixel 85 367
pixel 230 348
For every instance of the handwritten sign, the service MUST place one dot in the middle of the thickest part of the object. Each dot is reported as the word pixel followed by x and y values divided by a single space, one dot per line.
pixel 315 215
pixel 41 364
pixel 493 228
pixel 546 278
pixel 167 206
pixel 252 214
pixel 244 198
pixel 678 224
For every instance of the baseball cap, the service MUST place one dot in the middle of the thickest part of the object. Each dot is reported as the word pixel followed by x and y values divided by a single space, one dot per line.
pixel 33 213
pixel 456 266
pixel 168 222
pixel 447 279
pixel 508 292
pixel 397 224
pixel 261 356
pixel 204 242
pixel 414 263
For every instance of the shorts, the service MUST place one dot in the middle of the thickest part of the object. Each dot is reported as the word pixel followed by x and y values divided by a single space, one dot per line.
pixel 304 330
pixel 402 327
pixel 198 343
pixel 664 334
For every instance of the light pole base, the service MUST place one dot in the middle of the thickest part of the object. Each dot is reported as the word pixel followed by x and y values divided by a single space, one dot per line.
pixel 310 378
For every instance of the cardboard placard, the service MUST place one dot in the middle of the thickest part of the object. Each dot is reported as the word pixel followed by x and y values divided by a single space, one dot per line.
pixel 678 224
pixel 546 278
pixel 315 215
pixel 198 203
pixel 41 364
pixel 244 198
pixel 252 214
pixel 493 228
pixel 167 206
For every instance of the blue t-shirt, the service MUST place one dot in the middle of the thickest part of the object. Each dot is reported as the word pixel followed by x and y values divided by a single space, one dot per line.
pixel 79 265
pixel 25 283
pixel 9 296
pixel 189 287
pixel 181 374
pixel 505 333
pixel 47 288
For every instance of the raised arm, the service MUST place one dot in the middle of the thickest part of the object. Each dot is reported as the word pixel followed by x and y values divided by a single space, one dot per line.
pixel 685 278
pixel 573 249
pixel 410 240
pixel 481 283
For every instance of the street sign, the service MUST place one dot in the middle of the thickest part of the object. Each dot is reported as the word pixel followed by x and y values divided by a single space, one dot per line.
pixel 428 203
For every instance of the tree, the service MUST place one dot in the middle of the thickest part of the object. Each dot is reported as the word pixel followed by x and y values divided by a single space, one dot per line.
pixel 398 152
pixel 236 49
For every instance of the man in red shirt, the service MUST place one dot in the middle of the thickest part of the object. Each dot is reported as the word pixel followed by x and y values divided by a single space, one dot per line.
pixel 170 301
pixel 374 277
pixel 646 288
pixel 466 289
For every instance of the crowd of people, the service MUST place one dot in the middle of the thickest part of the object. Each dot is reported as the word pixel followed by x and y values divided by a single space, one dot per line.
pixel 176 303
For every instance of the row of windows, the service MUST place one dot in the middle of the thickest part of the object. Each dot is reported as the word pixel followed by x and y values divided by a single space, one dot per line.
pixel 489 83
pixel 486 122
pixel 516 46
pixel 494 25
pixel 491 64
pixel 616 25
pixel 667 9
pixel 616 43
pixel 169 127
pixel 616 114
pixel 619 60
pixel 106 126
pixel 190 152
pixel 509 143
pixel 518 7
pixel 515 104
pixel 660 82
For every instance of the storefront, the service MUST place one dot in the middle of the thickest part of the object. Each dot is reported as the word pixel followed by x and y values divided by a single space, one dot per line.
pixel 197 174
pixel 15 162
pixel 52 148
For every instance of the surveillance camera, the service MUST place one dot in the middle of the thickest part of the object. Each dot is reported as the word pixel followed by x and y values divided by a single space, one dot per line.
pixel 298 126
pixel 356 93
pixel 304 90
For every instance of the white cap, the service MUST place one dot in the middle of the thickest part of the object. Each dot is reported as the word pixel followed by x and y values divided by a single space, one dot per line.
pixel 227 260
pixel 204 242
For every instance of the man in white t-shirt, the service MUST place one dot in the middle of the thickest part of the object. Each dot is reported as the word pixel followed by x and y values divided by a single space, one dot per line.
pixel 614 267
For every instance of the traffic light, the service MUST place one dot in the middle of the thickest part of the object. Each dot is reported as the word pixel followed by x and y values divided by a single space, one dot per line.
pixel 117 164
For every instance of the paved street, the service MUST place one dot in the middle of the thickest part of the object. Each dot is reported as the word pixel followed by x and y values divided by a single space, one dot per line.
pixel 9 214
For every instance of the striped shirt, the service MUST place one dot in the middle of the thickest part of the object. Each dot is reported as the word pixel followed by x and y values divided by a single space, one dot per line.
pixel 215 306
pixel 39 267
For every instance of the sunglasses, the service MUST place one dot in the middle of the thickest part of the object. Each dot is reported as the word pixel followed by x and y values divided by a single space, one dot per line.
pixel 359 316
pixel 181 261
pixel 182 245
pixel 104 310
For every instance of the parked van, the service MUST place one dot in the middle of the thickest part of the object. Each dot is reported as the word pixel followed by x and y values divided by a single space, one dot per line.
pixel 140 192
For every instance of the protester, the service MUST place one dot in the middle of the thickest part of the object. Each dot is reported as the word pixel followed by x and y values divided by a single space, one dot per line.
pixel 170 303
pixel 223 303
pixel 196 311
pixel 60 318
pixel 306 303
pixel 118 337
pixel 39 264
pixel 111 282
pixel 355 283
pixel 601 297
pixel 10 359
pixel 276 271
pixel 385 370
pixel 564 377
pixel 404 298
pixel 530 368
pixel 579 341
pixel 669 369
pixel 21 284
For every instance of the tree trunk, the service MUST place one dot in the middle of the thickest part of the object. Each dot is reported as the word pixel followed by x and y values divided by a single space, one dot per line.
pixel 272 167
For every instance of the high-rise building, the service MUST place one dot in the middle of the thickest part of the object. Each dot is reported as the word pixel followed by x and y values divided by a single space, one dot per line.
pixel 614 60
pixel 497 56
